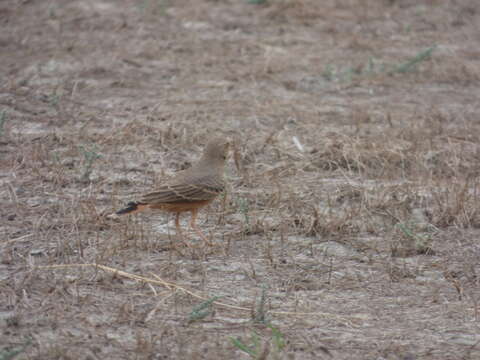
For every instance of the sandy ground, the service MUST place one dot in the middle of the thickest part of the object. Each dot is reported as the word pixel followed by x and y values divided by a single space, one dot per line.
pixel 350 226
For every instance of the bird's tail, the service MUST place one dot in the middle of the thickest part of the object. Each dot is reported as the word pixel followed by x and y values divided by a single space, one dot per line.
pixel 131 208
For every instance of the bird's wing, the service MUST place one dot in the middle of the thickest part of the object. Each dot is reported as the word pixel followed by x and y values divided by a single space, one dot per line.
pixel 196 190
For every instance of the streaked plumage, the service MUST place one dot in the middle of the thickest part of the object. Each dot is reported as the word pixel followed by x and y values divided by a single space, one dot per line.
pixel 190 189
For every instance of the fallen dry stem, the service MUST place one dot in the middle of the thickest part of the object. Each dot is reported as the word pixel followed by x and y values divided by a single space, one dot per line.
pixel 170 286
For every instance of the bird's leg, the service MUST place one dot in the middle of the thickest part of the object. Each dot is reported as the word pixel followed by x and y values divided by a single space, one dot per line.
pixel 196 229
pixel 179 230
pixel 177 225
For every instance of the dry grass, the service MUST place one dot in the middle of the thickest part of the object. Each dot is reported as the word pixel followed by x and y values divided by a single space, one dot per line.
pixel 351 219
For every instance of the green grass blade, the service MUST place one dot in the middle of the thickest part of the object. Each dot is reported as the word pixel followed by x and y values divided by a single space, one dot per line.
pixel 409 65
pixel 240 345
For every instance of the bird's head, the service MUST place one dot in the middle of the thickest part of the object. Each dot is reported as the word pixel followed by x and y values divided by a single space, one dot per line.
pixel 217 149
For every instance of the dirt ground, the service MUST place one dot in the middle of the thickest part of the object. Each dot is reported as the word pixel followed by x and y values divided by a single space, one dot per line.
pixel 350 227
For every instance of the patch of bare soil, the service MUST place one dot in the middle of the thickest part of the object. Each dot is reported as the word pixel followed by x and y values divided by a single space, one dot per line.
pixel 349 230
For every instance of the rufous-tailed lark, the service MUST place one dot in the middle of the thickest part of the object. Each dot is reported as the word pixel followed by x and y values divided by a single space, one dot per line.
pixel 190 189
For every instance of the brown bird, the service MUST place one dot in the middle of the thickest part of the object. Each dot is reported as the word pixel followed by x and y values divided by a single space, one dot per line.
pixel 190 189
